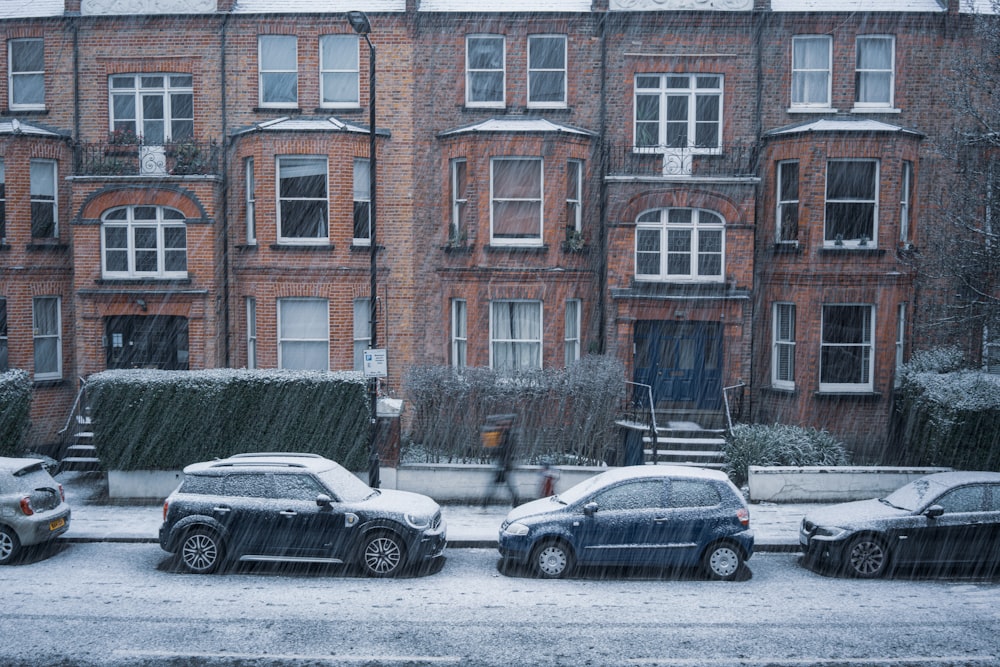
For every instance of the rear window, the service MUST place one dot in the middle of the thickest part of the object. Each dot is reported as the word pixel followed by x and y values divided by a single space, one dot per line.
pixel 33 478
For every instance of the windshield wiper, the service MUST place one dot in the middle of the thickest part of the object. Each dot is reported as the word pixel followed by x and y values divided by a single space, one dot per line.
pixel 886 502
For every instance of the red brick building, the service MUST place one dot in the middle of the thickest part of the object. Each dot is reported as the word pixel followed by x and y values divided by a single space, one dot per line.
pixel 723 195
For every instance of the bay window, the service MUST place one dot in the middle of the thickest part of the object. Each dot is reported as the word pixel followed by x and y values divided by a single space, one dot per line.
pixel 847 353
pixel 302 200
pixel 516 201
pixel 851 203
pixel 515 334
pixel 304 334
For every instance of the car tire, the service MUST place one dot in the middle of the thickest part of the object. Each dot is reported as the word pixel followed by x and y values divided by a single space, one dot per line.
pixel 201 551
pixel 866 557
pixel 382 554
pixel 722 561
pixel 10 546
pixel 552 559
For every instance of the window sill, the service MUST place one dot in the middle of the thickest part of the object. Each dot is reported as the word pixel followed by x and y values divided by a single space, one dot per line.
pixel 780 391
pixel 851 250
pixel 875 110
pixel 865 396
pixel 526 249
pixel 26 112
pixel 364 248
pixel 290 109
pixel 302 248
pixel 457 249
pixel 348 109
pixel 811 110
pixel 47 247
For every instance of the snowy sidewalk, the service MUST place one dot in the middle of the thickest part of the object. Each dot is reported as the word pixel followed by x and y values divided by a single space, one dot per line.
pixel 94 519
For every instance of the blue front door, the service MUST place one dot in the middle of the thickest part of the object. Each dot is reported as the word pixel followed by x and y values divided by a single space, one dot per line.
pixel 681 361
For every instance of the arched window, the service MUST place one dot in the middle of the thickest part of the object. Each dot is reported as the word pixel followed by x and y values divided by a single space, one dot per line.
pixel 144 242
pixel 679 244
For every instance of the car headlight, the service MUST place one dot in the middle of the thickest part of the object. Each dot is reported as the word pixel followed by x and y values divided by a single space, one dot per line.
pixel 516 529
pixel 417 522
pixel 829 532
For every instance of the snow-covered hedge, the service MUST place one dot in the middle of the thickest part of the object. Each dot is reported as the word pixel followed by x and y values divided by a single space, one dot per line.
pixel 566 415
pixel 779 445
pixel 164 420
pixel 15 409
pixel 948 416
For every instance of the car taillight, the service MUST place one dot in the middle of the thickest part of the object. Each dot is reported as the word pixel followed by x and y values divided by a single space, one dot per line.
pixel 26 506
pixel 62 493
pixel 743 514
pixel 165 504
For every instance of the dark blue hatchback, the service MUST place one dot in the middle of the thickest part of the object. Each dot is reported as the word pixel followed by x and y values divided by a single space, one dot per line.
pixel 657 516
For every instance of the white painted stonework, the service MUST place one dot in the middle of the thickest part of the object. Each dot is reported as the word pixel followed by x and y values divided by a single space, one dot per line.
pixel 137 7
pixel 807 484
pixel 701 5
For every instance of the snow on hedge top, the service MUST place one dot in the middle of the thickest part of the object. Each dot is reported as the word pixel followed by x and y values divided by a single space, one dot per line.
pixel 962 391
pixel 224 376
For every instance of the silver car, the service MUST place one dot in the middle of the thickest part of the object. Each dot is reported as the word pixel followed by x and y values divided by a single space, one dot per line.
pixel 33 507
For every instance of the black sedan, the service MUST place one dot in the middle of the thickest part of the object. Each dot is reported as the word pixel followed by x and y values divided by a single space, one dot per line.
pixel 949 518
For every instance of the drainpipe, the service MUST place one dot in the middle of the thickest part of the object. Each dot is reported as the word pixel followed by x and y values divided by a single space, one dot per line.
pixel 224 212
pixel 602 236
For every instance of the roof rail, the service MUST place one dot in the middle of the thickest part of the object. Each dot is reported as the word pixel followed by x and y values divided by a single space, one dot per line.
pixel 304 455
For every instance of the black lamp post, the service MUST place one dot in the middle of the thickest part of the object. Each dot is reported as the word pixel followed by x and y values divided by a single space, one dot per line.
pixel 359 21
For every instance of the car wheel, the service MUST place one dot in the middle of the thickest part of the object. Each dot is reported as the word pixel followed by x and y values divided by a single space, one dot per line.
pixel 201 551
pixel 10 546
pixel 552 560
pixel 382 554
pixel 867 557
pixel 722 561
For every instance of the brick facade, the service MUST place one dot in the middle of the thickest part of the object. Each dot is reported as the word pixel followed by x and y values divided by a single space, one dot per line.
pixel 711 324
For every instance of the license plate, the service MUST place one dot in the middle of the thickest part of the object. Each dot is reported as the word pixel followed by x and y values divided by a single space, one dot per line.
pixel 56 524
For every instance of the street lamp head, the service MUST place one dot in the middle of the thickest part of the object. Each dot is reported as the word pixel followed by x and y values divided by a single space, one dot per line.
pixel 359 21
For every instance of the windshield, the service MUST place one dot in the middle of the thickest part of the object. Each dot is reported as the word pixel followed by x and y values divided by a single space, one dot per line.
pixel 345 484
pixel 915 494
pixel 581 490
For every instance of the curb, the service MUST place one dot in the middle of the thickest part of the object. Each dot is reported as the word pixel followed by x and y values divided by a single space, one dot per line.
pixel 452 544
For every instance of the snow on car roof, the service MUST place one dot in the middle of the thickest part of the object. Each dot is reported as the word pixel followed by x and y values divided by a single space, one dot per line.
pixel 692 472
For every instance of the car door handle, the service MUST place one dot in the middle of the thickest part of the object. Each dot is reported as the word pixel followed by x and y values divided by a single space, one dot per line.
pixel 661 519
pixel 222 509
pixel 288 513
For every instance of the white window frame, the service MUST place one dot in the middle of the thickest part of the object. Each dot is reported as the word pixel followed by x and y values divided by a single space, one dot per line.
pixel 521 343
pixel 536 72
pixel 44 193
pixel 362 204
pixel 666 90
pixel 458 180
pixel 459 333
pixel 783 345
pixel 163 226
pixel 571 336
pixel 14 76
pixel 267 70
pixel 900 341
pixel 489 72
pixel 866 348
pixel 865 72
pixel 320 337
pixel 251 313
pixel 669 226
pixel 830 239
pixel 4 350
pixel 906 203
pixel 574 196
pixel 287 161
pixel 346 69
pixel 513 201
pixel 362 330
pixel 3 201
pixel 804 71
pixel 787 203
pixel 48 336
pixel 250 200
pixel 136 89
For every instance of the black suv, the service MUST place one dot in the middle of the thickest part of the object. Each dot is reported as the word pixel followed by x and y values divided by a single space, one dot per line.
pixel 296 507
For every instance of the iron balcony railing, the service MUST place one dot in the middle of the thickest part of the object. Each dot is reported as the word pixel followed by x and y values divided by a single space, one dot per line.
pixel 725 161
pixel 174 159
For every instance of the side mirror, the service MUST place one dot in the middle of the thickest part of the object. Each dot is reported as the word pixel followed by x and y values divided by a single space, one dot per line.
pixel 934 511
pixel 590 509
pixel 323 500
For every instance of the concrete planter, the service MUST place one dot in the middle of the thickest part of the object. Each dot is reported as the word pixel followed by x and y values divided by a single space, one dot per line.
pixel 806 484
